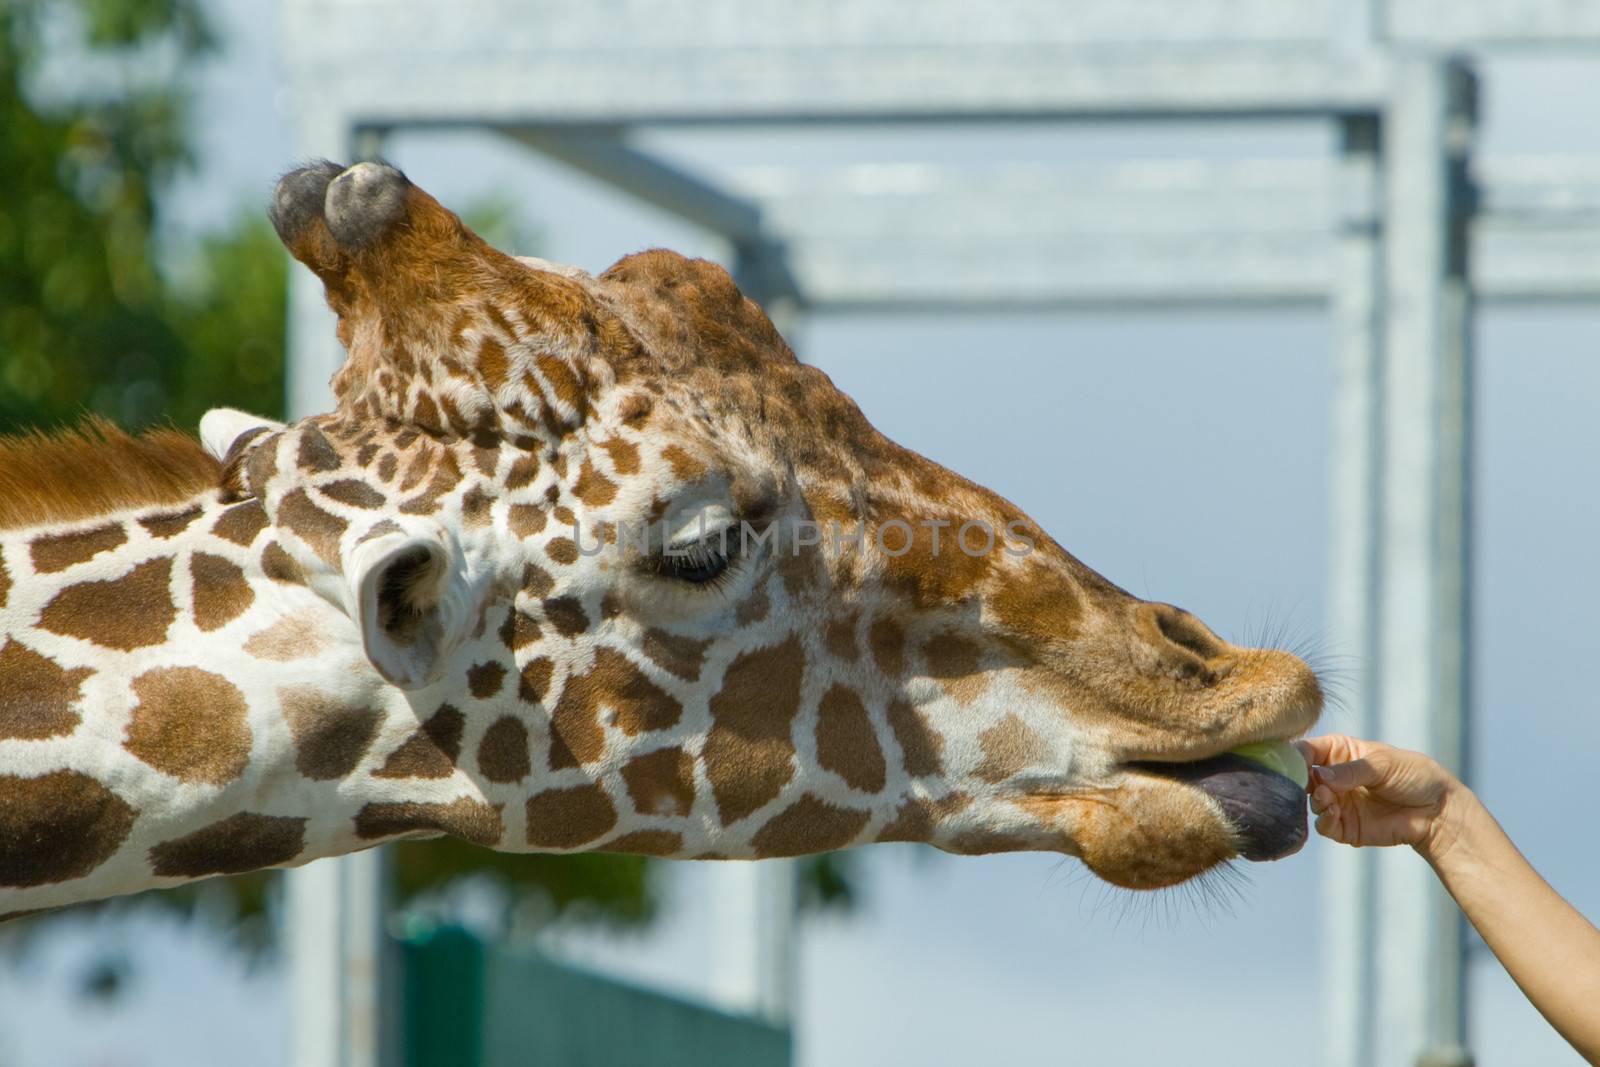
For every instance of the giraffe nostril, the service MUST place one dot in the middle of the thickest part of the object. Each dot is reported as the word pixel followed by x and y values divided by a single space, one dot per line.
pixel 1187 632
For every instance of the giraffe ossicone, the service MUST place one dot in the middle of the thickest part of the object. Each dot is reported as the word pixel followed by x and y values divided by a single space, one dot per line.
pixel 495 594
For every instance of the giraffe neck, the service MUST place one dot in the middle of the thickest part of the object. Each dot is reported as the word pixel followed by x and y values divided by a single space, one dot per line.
pixel 176 702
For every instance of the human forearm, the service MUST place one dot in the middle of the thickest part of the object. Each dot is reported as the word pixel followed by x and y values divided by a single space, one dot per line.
pixel 1545 944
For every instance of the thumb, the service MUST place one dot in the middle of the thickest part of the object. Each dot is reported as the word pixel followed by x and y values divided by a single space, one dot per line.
pixel 1343 777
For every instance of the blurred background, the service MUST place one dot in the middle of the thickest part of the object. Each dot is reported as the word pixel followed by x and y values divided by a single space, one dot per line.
pixel 1173 404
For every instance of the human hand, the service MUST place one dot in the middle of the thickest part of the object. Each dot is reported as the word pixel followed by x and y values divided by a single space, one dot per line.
pixel 1369 793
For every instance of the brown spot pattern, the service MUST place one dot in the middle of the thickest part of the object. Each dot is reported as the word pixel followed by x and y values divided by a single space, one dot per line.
pixel 315 453
pixel 592 487
pixel 430 752
pixel 754 607
pixel 1008 746
pixel 953 660
pixel 241 523
pixel 279 565
pixel 524 469
pixel 676 654
pixel 568 818
pixel 125 613
pixel 685 468
pixel 911 822
pixel 319 529
pixel 636 705
pixel 492 362
pixel 295 636
pixel 535 680
pixel 647 843
pixel 190 724
pixel 485 679
pixel 239 843
pixel 564 381
pixel 749 752
pixel 57 552
pixel 661 782
pixel 170 523
pixel 536 582
pixel 503 752
pixel 470 820
pixel 921 747
pixel 352 491
pixel 445 478
pixel 330 736
pixel 36 694
pixel 950 656
pixel 519 630
pixel 1038 605
pixel 624 455
pixel 220 592
pixel 57 827
pixel 918 818
pixel 809 825
pixel 846 742
pixel 888 643
pixel 525 520
pixel 839 638
pixel 566 614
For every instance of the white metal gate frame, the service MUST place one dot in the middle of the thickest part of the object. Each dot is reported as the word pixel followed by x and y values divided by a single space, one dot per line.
pixel 1403 203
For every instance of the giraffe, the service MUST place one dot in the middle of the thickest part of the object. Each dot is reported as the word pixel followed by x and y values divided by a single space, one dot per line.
pixel 497 594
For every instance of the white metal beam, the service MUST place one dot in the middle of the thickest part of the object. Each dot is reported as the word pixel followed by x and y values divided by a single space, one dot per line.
pixel 1445 24
pixel 604 153
pixel 341 1002
pixel 497 62
pixel 1151 233
pixel 1358 320
pixel 528 27
pixel 945 84
pixel 1418 993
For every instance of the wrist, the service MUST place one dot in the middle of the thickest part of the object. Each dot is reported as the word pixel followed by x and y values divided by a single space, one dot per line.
pixel 1449 832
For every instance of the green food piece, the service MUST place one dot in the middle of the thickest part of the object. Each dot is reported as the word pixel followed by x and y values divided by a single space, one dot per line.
pixel 1280 757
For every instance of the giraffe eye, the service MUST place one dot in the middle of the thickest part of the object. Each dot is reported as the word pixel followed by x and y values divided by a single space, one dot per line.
pixel 700 562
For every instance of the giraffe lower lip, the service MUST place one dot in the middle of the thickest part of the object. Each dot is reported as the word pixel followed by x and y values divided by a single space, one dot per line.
pixel 1265 809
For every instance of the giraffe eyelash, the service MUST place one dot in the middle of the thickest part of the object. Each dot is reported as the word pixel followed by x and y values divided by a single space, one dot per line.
pixel 709 562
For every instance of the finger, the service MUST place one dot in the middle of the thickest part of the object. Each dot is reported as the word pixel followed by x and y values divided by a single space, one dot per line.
pixel 1330 748
pixel 1343 777
pixel 1330 825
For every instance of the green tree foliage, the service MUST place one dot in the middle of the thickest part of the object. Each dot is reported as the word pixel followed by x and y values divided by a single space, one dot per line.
pixel 90 323
pixel 83 316
pixel 233 317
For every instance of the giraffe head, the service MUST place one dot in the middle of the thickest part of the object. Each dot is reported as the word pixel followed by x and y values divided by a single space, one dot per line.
pixel 670 592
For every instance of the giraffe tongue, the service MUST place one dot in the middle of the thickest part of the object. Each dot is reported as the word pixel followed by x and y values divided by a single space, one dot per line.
pixel 1266 809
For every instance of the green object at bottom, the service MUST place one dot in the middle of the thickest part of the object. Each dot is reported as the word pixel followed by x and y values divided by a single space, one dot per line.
pixel 469 1004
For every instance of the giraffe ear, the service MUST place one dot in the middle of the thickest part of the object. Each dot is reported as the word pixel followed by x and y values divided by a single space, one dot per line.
pixel 412 602
pixel 224 430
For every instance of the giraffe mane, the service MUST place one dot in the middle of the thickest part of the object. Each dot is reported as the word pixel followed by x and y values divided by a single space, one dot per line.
pixel 95 468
